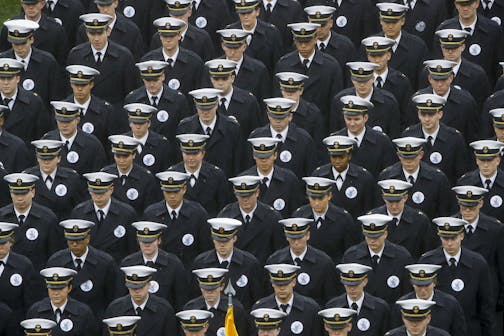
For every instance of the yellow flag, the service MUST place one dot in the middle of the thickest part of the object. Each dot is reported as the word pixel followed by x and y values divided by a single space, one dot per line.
pixel 229 324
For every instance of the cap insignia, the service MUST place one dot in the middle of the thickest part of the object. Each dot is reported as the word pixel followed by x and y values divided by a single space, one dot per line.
pixel 220 67
pixel 6 67
pixel 38 328
pixel 75 228
pixel 79 74
pixel 134 276
pixel 190 143
pixel 375 45
pixel 372 226
pixel 336 144
pixel 429 102
pixel 170 179
pixel 439 68
pixel 119 326
pixel 294 226
pixel 233 37
pixel 121 144
pixel 45 149
pixel 19 182
pixel 98 182
pixel 450 37
pixel 392 189
pixel 193 319
pixel 446 226
pixel 243 185
pixel 280 273
pixel 95 22
pixel 149 69
pixel 422 273
pixel 361 71
pixel 55 277
pixel 408 147
pixel 221 230
pixel 336 317
pixel 317 186
pixel 416 309
pixel 204 99
pixel 262 147
pixel 350 104
pixel 16 32
pixel 266 317
pixel 351 273
pixel 485 149
pixel 469 193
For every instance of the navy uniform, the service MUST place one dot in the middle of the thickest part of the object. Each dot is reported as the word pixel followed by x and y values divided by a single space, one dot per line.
pixel 388 280
pixel 85 153
pixel 302 318
pixel 280 187
pixel 260 233
pixel 211 279
pixel 20 285
pixel 13 151
pixel 338 321
pixel 138 12
pixel 186 71
pixel 68 12
pixel 118 75
pixel 97 115
pixel 297 152
pixel 170 280
pixel 267 319
pixel 157 315
pixel 112 232
pixel 445 147
pixel 266 40
pixel 171 105
pixel 42 73
pixel 207 184
pixel 383 109
pixel 371 313
pixel 4 189
pixel 137 187
pixel 244 271
pixel 487 150
pixel 355 191
pixel 122 325
pixel 467 279
pixel 423 19
pixel 430 192
pixel 225 146
pixel 97 281
pixel 75 318
pixel 411 51
pixel 374 151
pixel 60 190
pixel 8 326
pixel 187 234
pixel 316 276
pixel 486 122
pixel 37 236
pixel 193 320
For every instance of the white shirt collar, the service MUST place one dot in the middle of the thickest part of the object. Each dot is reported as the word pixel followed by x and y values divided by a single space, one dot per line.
pixel 433 135
pixel 135 306
pixel 228 259
pixel 317 215
pixel 143 139
pixel 250 214
pixel 26 213
pixel 269 176
pixel 177 211
pixel 473 224
pixel 398 216
pixel 126 173
pixel 228 97
pixel 196 4
pixel 290 302
pixel 359 136
pixel 196 173
pixel 310 58
pixel 11 103
pixel 215 306
pixel 70 140
pixel 472 26
pixel 212 125
pixel 173 57
pixel 44 175
pixel 103 51
pixel 251 31
pixel 343 173
pixel 379 254
pixel 84 106
pixel 26 59
pixel 415 174
pixel 456 68
pixel 429 299
pixel 272 2
pixel 112 23
pixel 368 97
pixel 491 178
pixel 238 64
pixel 445 96
pixel 62 308
pixel 301 256
pixel 283 133
pixel 158 95
pixel 326 41
pixel 83 257
pixel 456 256
pixel 359 302
pixel 105 209
pixel 383 76
pixel 153 258
pixel 397 40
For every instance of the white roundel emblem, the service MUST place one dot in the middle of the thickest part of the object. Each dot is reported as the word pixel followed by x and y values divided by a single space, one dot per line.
pixel 496 201
pixel 61 190
pixel 132 194
pixel 58 20
pixel 119 231
pixel 16 279
pixel 242 281
pixel 149 160
pixel 162 116
pixel 436 157
pixel 393 281
pixel 457 285
pixel 475 49
pixel 221 331
pixel 201 22
pixel 129 11
pixel 28 84
pixel 88 127
pixel 351 192
pixel 420 26
pixel 154 286
pixel 418 197
pixel 303 278
pixel 66 325
pixel 363 324
pixel 341 21
pixel 497 20
pixel 188 239
pixel 279 204
pixel 285 156
pixel 72 157
pixel 297 327
pixel 174 84
pixel 378 128
pixel 87 286
pixel 32 234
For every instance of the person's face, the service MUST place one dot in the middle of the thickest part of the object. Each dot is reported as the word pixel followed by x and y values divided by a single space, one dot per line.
pixel 149 249
pixel 381 60
pixel 392 29
pixel 376 244
pixel 430 121
pixel 154 85
pixel 266 164
pixel 320 204
pixel 279 124
pixel 108 9
pixel 213 295
pixel 467 12
pixel 170 43
pixel 355 124
pixel 98 39
pixel 396 207
pixel 305 48
pixel 298 245
pixel 139 129
pixel 8 86
pixel 78 247
pixel 223 83
pixel 355 292
pixel 5 248
pixel 124 162
pixel 224 248
pixel 411 164
pixel 499 133
pixel 268 332
pixel 452 244
pixel 294 95
pixel 139 295
pixel 471 213
pixel 23 201
pixel 324 29
pixel 201 332
pixel 82 92
pixel 174 199
pixel 58 296
pixel 363 89
pixel 440 86
pixel 338 332
pixel 488 168
pixel 101 199
pixel 33 11
pixel 48 166
pixel 417 328
pixel 340 162
pixel 424 292
pixel 22 50
pixel 248 203
pixel 248 20
pixel 453 54
pixel 284 292
pixel 68 128
pixel 193 160
pixel 234 54
pixel 207 116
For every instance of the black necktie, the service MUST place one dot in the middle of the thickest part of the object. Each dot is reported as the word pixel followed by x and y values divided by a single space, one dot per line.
pixel 170 63
pixel 453 264
pixel 138 311
pixel 374 261
pixel 428 144
pixel 468 29
pixel 263 187
pixel 298 261
pixel 469 231
pixel 247 222
pixel 98 58
pixel 174 215
pixel 411 179
pixel 50 5
pixel 101 218
pixel 392 225
pixel 150 264
pixel 192 180
pixel 154 101
pixel 267 14
pixel 354 306
pixel 319 222
pixel 223 105
pixel 79 264
pixel 408 3
pixel 284 307
pixel 123 179
pixel 379 82
pixel 67 145
pixel 488 183
pixel 279 136
pixel 305 64
pixel 322 46
pixel 208 131
pixel 224 264
pixel 57 314
pixel 21 219
pixel 6 101
pixel 194 3
pixel 48 182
